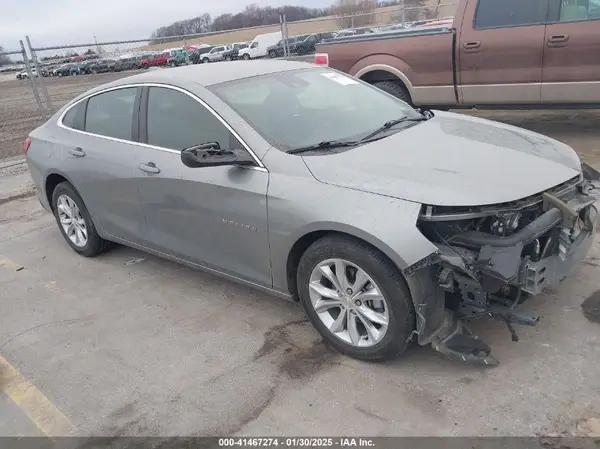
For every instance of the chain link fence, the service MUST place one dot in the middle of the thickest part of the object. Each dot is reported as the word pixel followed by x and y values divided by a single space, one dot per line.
pixel 39 81
pixel 19 106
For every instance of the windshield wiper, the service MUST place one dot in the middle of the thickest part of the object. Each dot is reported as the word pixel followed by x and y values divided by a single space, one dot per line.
pixel 387 125
pixel 328 144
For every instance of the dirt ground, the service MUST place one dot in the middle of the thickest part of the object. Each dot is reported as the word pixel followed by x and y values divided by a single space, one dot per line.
pixel 129 344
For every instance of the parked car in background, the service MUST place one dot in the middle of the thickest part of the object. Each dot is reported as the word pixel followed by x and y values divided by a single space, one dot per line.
pixel 124 64
pixel 99 65
pixel 277 50
pixel 196 56
pixel 354 32
pixel 509 54
pixel 387 223
pixel 216 53
pixel 24 75
pixel 156 60
pixel 68 69
pixel 308 44
pixel 178 58
pixel 234 52
pixel 258 47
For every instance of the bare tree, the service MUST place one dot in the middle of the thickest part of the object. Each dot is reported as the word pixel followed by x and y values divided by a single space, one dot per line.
pixel 354 13
pixel 413 10
pixel 4 59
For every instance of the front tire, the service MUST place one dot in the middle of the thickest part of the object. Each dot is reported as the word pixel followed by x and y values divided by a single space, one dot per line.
pixel 75 222
pixel 365 311
pixel 246 57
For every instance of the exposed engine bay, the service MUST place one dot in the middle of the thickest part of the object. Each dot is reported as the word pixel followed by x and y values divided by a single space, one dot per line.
pixel 492 258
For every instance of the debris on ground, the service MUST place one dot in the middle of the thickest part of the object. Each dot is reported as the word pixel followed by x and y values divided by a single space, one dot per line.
pixel 591 307
pixel 133 261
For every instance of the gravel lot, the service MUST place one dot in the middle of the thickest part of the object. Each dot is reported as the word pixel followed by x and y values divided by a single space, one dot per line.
pixel 155 348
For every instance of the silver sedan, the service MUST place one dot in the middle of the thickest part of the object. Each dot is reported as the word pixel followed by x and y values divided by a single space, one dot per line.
pixel 388 223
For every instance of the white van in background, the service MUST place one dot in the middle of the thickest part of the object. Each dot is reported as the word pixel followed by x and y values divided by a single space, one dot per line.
pixel 258 47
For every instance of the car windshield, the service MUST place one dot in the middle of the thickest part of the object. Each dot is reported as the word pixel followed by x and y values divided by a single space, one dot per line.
pixel 299 108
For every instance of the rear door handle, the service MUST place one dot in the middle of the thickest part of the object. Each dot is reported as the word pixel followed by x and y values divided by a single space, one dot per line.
pixel 472 45
pixel 77 152
pixel 149 167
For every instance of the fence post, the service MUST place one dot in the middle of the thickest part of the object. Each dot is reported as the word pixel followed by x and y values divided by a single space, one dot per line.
pixel 36 94
pixel 403 14
pixel 287 37
pixel 40 76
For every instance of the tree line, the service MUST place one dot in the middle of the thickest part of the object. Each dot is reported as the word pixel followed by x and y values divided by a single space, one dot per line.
pixel 254 15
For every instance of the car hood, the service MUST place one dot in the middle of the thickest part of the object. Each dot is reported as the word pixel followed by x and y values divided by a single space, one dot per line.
pixel 452 160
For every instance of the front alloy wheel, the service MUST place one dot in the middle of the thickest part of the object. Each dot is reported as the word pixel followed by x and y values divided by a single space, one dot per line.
pixel 356 298
pixel 349 302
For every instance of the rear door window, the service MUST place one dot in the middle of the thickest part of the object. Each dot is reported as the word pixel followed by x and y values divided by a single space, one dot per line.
pixel 110 114
pixel 510 13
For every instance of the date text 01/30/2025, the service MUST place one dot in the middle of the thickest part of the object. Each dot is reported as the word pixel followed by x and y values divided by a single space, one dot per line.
pixel 296 442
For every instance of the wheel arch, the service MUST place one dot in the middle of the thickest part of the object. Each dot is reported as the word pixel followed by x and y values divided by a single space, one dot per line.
pixel 371 70
pixel 316 232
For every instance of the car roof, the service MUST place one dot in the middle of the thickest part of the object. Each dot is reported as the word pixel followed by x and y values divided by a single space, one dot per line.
pixel 210 74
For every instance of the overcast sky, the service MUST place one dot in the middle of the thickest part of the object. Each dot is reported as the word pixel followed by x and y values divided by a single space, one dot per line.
pixel 64 22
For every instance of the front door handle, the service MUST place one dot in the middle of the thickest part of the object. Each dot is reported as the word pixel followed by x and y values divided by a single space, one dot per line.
pixel 77 152
pixel 472 45
pixel 149 167
pixel 558 40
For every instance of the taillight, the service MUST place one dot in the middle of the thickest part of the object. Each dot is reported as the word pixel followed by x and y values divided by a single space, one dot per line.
pixel 322 59
pixel 27 145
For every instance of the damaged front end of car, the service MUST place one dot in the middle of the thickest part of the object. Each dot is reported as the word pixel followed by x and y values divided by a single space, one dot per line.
pixel 490 259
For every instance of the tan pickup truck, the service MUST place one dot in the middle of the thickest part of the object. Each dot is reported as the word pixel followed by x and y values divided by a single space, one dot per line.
pixel 508 53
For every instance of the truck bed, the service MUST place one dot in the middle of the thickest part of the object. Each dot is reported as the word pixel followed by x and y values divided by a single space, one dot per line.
pixel 421 58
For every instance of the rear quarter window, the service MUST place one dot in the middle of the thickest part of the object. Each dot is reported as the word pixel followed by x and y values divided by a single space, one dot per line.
pixel 75 116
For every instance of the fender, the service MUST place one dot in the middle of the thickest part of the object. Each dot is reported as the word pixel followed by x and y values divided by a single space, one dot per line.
pixel 387 63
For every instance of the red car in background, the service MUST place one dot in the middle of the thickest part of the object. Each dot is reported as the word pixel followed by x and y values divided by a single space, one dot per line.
pixel 155 61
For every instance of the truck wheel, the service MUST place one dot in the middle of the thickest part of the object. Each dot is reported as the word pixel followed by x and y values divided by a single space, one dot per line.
pixel 356 298
pixel 394 88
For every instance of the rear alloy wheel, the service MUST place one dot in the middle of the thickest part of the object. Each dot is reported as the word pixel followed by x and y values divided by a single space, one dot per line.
pixel 356 298
pixel 75 222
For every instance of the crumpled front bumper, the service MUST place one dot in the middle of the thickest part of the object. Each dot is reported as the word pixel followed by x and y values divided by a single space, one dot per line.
pixel 573 246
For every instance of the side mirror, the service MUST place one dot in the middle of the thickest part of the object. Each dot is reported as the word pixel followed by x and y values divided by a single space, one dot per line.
pixel 211 155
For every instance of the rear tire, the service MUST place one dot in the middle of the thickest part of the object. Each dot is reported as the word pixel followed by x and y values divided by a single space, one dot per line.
pixel 384 281
pixel 394 88
pixel 83 238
